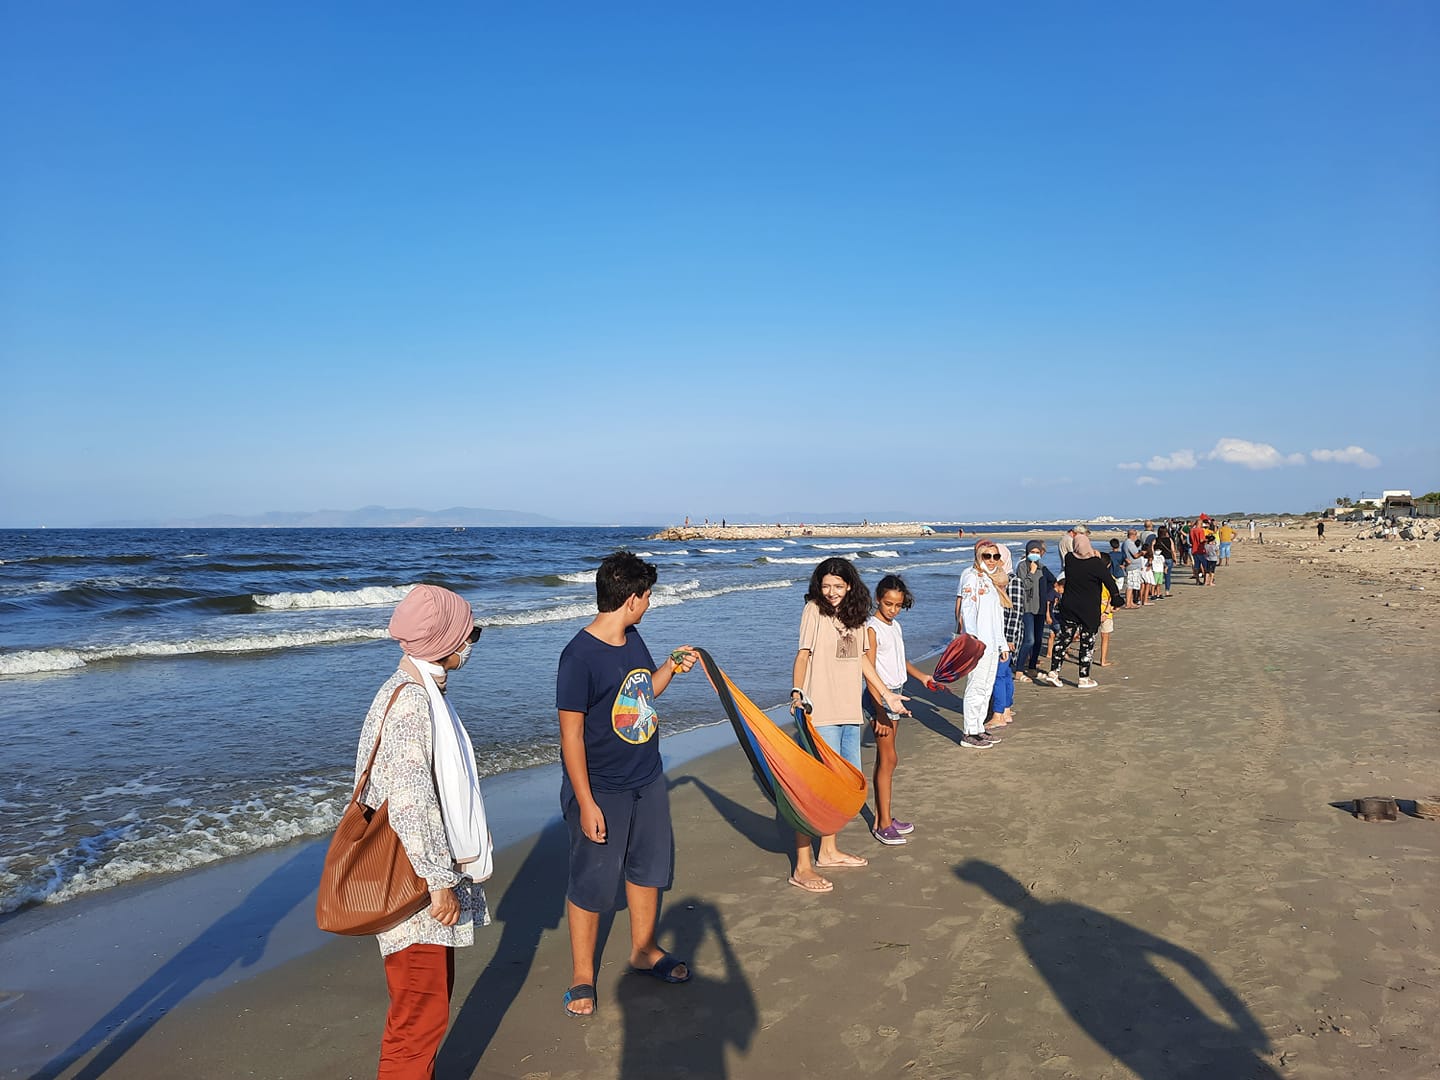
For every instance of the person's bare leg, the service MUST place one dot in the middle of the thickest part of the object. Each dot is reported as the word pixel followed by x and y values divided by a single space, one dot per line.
pixel 884 776
pixel 644 904
pixel 805 861
pixel 584 932
pixel 1104 650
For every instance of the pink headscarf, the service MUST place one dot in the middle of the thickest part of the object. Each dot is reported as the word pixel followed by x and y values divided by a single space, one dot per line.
pixel 431 622
pixel 1005 563
pixel 1083 550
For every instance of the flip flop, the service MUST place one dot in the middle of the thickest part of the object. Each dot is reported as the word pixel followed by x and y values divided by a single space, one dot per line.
pixel 579 992
pixel 860 861
pixel 664 969
pixel 815 885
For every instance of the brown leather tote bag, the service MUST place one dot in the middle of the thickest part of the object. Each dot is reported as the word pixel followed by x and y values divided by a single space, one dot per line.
pixel 368 884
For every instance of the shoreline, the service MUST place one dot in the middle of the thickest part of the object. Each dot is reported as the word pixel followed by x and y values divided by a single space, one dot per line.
pixel 881 531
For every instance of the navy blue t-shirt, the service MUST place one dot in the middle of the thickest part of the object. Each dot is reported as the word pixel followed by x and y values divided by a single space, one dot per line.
pixel 612 686
pixel 1117 564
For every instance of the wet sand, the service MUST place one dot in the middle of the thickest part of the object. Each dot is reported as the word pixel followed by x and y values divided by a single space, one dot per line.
pixel 1145 880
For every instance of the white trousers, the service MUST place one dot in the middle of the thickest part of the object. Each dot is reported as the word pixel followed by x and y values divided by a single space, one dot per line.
pixel 978 686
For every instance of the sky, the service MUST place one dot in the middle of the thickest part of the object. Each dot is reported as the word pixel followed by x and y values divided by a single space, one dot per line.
pixel 630 262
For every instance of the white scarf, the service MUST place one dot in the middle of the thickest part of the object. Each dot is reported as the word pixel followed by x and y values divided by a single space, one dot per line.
pixel 461 804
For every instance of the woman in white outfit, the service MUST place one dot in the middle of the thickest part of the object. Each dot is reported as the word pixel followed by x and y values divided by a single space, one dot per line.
pixel 979 609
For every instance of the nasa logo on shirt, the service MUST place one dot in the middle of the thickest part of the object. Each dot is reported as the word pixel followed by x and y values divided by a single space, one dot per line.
pixel 633 716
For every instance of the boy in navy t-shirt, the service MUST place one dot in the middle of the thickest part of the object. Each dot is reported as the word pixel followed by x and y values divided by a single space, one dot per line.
pixel 614 795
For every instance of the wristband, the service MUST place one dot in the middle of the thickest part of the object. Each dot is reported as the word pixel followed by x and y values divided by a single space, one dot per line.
pixel 797 690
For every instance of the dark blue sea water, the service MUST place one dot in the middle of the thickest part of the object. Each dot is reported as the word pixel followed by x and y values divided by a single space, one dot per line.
pixel 171 697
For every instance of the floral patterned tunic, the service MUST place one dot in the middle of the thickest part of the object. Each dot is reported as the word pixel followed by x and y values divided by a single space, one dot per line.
pixel 403 776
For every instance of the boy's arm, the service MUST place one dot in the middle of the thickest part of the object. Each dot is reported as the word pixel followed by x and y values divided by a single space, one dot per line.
pixel 577 768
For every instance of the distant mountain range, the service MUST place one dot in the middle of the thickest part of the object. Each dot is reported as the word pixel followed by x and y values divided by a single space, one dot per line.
pixel 367 517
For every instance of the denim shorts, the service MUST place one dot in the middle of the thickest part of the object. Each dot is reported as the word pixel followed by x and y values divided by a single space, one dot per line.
pixel 844 739
pixel 639 846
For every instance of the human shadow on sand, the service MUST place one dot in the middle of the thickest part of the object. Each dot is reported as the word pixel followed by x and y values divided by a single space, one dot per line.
pixel 925 709
pixel 1103 972
pixel 532 905
pixel 769 832
pixel 237 938
pixel 684 1030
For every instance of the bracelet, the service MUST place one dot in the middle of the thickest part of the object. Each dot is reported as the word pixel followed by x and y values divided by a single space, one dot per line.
pixel 797 690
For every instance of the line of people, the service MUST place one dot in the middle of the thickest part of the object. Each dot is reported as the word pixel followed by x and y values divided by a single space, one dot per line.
pixel 850 671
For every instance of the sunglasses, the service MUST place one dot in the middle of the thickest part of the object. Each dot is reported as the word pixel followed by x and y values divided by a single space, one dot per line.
pixel 475 634
pixel 988 557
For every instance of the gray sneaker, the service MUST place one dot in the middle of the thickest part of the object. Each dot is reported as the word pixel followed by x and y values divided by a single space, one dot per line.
pixel 978 742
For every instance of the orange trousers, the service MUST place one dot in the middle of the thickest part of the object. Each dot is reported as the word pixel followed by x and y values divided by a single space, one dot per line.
pixel 420 980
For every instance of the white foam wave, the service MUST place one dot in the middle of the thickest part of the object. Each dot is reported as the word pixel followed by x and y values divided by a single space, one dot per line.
pixel 834 547
pixel 581 577
pixel 884 554
pixel 963 547
pixel 717 551
pixel 772 549
pixel 374 596
pixel 805 560
pixel 754 586
pixel 37 661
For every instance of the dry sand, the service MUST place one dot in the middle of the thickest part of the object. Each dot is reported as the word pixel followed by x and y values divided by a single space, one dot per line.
pixel 1145 880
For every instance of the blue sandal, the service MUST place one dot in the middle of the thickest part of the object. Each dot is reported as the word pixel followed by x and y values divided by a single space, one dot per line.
pixel 664 969
pixel 579 992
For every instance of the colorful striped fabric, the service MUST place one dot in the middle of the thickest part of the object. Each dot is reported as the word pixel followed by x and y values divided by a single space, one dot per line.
pixel 812 786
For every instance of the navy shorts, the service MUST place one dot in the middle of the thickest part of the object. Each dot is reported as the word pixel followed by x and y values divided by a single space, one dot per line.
pixel 639 846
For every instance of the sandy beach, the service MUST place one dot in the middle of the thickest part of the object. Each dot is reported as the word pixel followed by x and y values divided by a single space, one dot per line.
pixel 1151 879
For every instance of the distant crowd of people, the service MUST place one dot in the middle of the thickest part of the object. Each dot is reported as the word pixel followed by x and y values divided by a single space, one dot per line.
pixel 849 674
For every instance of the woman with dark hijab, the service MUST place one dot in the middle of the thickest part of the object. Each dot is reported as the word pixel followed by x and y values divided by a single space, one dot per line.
pixel 1086 573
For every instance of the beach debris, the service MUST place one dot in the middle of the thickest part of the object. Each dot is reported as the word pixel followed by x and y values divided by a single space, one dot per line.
pixel 1428 807
pixel 1377 808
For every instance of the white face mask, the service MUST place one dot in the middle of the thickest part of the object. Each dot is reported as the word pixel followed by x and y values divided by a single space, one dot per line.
pixel 464 656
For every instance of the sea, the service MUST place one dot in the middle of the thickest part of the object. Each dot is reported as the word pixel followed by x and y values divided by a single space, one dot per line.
pixel 172 697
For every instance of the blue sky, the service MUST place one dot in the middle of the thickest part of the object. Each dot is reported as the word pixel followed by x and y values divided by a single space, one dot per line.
pixel 624 262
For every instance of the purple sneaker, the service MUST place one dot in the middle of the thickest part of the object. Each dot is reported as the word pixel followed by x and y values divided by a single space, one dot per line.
pixel 888 835
pixel 904 828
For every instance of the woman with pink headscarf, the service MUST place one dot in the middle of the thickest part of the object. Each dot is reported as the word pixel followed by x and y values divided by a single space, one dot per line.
pixel 1086 574
pixel 425 770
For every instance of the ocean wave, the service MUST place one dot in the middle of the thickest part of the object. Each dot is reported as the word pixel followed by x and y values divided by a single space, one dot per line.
pixel 717 551
pixel 962 547
pixel 772 549
pixel 39 661
pixel 581 577
pixel 175 835
pixel 374 596
pixel 803 560
pixel 60 560
pixel 880 553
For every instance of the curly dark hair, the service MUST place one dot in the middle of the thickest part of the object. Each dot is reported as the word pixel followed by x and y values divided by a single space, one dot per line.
pixel 895 583
pixel 621 576
pixel 855 608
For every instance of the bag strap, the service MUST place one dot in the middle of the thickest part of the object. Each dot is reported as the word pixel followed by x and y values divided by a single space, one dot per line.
pixel 365 776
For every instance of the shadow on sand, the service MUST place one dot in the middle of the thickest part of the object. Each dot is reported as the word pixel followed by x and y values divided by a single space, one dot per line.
pixel 1104 972
pixel 237 938
pixel 685 1030
pixel 533 904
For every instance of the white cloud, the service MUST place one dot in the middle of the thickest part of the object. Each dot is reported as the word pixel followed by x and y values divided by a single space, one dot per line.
pixel 1129 465
pixel 1351 455
pixel 1252 455
pixel 1180 459
pixel 1145 481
